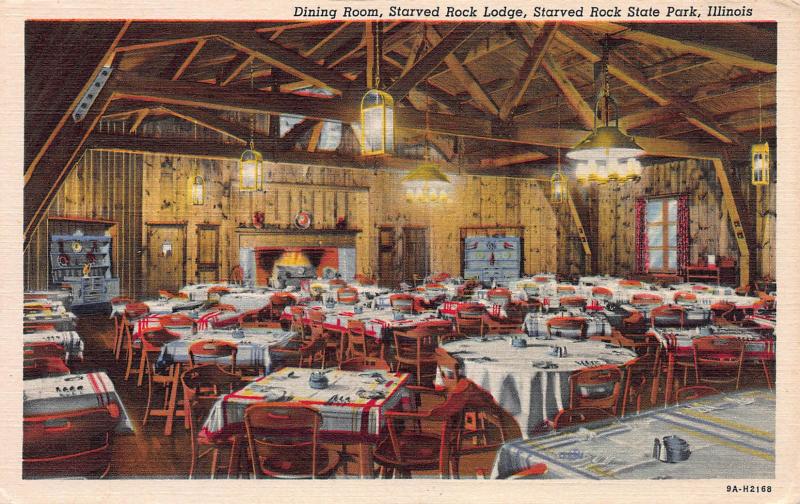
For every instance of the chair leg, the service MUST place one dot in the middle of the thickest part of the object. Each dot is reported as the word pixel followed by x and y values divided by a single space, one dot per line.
pixel 129 349
pixel 766 373
pixel 149 398
pixel 142 363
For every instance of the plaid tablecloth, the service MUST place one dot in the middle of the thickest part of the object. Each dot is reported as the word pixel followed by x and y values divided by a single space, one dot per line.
pixel 60 394
pixel 70 340
pixel 377 322
pixel 252 349
pixel 161 306
pixel 246 301
pixel 731 437
pixel 64 296
pixel 344 405
pixel 756 345
pixel 535 324
pixel 61 319
pixel 199 292
pixel 519 379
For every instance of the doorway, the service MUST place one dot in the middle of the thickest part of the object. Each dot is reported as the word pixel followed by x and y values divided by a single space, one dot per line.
pixel 207 253
pixel 415 255
pixel 165 260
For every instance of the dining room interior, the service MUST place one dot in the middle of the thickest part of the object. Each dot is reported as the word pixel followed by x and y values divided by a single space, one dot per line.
pixel 399 249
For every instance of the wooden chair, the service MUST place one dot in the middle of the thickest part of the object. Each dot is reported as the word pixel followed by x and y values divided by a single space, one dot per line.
pixel 602 293
pixel 567 327
pixel 694 392
pixel 572 417
pixel 347 295
pixel 131 316
pixel 635 323
pixel 203 385
pixel 43 367
pixel 684 297
pixel 176 320
pixel 213 350
pixel 278 303
pixel 641 343
pixel 638 373
pixel 298 323
pixel 718 359
pixel 359 344
pixel 724 312
pixel 334 341
pixel 362 363
pixel 402 302
pixel 668 316
pixel 153 339
pixel 438 438
pixel 572 302
pixel 284 442
pixel 596 387
pixel 70 444
pixel 236 276
pixel 415 349
pixel 449 369
pixel 261 317
pixel 510 324
pixel 499 296
pixel 469 319
pixel 118 336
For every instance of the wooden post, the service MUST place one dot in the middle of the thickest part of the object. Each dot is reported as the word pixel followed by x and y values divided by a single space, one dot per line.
pixel 736 222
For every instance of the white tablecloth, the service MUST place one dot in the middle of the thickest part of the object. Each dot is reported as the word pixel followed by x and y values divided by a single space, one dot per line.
pixel 536 323
pixel 345 406
pixel 70 340
pixel 731 437
pixel 246 301
pixel 60 394
pixel 252 348
pixel 532 394
pixel 199 292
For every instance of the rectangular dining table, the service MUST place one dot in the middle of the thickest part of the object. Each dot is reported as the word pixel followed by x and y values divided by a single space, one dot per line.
pixel 74 392
pixel 352 406
pixel 70 340
pixel 730 436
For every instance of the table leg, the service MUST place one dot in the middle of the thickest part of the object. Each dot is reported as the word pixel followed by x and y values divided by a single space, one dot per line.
pixel 365 460
pixel 670 377
pixel 173 396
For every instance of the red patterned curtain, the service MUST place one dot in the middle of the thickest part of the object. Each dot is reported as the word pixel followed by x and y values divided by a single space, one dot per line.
pixel 641 236
pixel 683 233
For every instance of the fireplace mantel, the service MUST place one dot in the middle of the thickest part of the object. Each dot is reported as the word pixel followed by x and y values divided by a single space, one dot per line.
pixel 273 237
pixel 289 231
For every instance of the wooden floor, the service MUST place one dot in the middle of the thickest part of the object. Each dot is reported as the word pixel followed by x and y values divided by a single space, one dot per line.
pixel 150 454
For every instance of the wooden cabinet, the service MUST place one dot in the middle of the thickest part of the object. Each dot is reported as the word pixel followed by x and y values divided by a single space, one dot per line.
pixel 83 263
pixel 492 259
pixel 723 273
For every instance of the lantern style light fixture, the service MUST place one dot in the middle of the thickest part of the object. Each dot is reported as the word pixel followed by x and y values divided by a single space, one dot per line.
pixel 426 183
pixel 759 153
pixel 558 182
pixel 604 154
pixel 251 160
pixel 198 190
pixel 377 108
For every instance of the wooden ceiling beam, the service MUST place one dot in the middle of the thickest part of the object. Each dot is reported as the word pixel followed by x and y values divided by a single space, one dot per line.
pixel 237 131
pixel 736 46
pixel 635 79
pixel 513 159
pixel 464 76
pixel 188 61
pixel 234 74
pixel 584 110
pixel 325 40
pixel 441 50
pixel 538 49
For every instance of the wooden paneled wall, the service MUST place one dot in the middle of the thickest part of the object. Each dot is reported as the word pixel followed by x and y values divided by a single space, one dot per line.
pixel 105 186
pixel 710 229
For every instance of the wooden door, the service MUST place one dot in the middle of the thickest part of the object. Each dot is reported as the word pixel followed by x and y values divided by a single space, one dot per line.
pixel 207 258
pixel 415 254
pixel 165 257
pixel 387 271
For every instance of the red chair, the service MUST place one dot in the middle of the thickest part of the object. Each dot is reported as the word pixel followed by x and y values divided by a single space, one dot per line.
pixel 71 444
pixel 638 374
pixel 118 336
pixel 646 299
pixel 402 302
pixel 510 324
pixel 469 422
pixel 565 289
pixel 567 327
pixel 359 344
pixel 176 320
pixel 298 323
pixel 278 303
pixel 440 277
pixel 153 339
pixel 596 387
pixel 363 279
pixel 284 442
pixel 694 392
pixel 630 284
pixel 668 316
pixel 499 296
pixel 133 313
pixel 572 417
pixel 213 350
pixel 347 295
pixel 44 350
pixel 469 319
pixel 718 359
pixel 43 367
pixel 572 302
pixel 603 293
pixel 723 312
pixel 635 323
pixel 202 386
pixel 684 297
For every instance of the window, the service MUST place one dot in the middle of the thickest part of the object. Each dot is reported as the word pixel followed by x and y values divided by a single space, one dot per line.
pixel 662 234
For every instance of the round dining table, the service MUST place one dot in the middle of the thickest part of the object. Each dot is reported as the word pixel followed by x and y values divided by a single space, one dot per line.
pixel 530 383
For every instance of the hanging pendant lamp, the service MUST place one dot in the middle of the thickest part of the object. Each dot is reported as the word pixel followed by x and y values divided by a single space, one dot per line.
pixel 558 182
pixel 426 183
pixel 604 153
pixel 759 153
pixel 377 108
pixel 250 162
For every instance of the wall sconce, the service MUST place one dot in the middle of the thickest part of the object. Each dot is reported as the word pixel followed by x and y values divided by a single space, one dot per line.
pixel 198 190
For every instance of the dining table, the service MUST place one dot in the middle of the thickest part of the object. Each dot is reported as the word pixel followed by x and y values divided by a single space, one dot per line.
pixel 728 436
pixel 49 313
pixel 199 292
pixel 535 323
pixel 352 406
pixel 531 383
pixel 74 392
pixel 70 340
